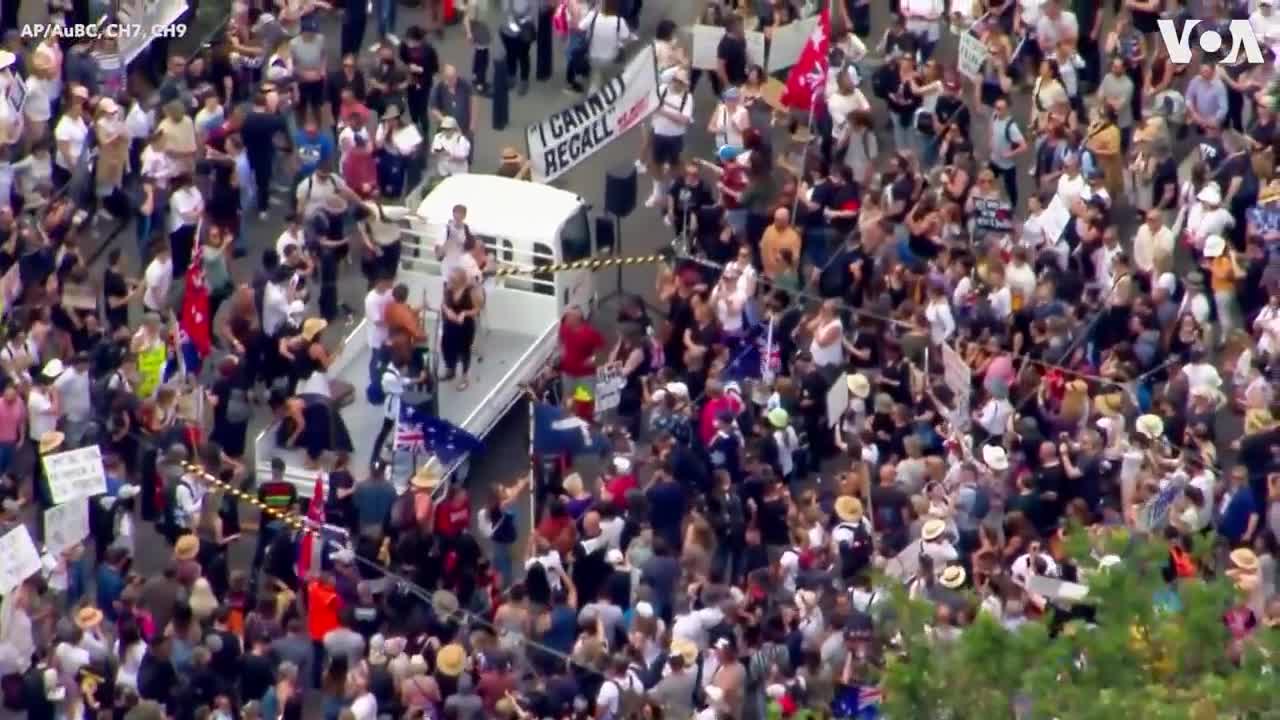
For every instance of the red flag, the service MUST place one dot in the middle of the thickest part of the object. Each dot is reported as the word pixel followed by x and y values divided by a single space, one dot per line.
pixel 308 546
pixel 195 308
pixel 807 79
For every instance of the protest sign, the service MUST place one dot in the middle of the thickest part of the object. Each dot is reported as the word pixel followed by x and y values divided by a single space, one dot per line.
pixel 75 474
pixel 558 143
pixel 609 384
pixel 972 54
pixel 1054 218
pixel 66 525
pixel 19 559
pixel 992 215
pixel 1057 591
pixel 789 41
pixel 955 372
pixel 143 16
pixel 704 46
pixel 837 400
pixel 756 46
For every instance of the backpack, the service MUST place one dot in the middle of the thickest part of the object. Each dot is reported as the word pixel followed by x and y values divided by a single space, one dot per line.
pixel 102 395
pixel 630 700
pixel 169 519
pixel 856 555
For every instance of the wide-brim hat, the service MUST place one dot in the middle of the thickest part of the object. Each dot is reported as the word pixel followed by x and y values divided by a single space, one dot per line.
pixel 1149 426
pixel 451 660
pixel 50 441
pixel 953 577
pixel 313 327
pixel 995 457
pixel 448 122
pixel 53 369
pixel 932 529
pixel 444 603
pixel 88 618
pixel 1244 559
pixel 685 650
pixel 427 478
pixel 859 385
pixel 1110 404
pixel 187 547
pixel 1214 246
pixel 849 508
pixel 1257 420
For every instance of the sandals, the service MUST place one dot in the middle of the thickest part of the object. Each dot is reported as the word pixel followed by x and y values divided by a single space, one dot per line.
pixel 463 384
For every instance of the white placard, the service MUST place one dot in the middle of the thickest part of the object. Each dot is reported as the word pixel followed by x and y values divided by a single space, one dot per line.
pixel 558 143
pixel 837 400
pixel 789 41
pixel 756 47
pixel 75 474
pixel 1053 219
pixel 609 384
pixel 144 15
pixel 971 56
pixel 704 46
pixel 66 525
pixel 407 139
pixel 1057 591
pixel 19 559
pixel 955 372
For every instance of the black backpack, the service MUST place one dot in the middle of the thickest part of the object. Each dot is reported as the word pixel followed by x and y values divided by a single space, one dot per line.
pixel 169 519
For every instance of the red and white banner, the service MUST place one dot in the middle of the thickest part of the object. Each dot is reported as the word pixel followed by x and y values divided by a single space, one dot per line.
pixel 808 77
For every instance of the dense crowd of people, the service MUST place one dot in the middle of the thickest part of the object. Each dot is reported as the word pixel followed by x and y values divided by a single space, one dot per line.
pixel 921 325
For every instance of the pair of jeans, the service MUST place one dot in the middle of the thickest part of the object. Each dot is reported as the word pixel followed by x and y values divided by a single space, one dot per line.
pixel 1008 176
pixel 386 11
pixel 517 49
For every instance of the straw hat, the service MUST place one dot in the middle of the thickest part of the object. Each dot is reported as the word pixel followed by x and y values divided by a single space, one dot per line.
pixel 1244 560
pixel 1077 386
pixel 313 327
pixel 1110 405
pixel 932 529
pixel 859 385
pixel 849 508
pixel 1257 420
pixel 448 122
pixel 427 478
pixel 88 617
pixel 952 578
pixel 1270 193
pixel 995 457
pixel 685 650
pixel 187 547
pixel 779 418
pixel 451 660
pixel 444 603
pixel 1149 426
pixel 51 441
pixel 1214 246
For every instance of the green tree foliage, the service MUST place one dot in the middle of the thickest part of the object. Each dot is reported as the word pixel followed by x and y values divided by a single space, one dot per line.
pixel 1143 658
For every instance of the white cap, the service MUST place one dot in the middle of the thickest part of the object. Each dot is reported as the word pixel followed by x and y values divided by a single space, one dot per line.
pixel 622 465
pixel 1167 282
pixel 644 609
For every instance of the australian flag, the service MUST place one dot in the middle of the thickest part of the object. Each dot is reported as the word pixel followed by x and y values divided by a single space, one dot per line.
pixel 419 431
pixel 556 431
pixel 854 702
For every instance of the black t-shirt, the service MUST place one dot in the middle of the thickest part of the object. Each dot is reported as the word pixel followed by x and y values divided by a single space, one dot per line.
pixel 838 280
pixel 842 198
pixel 772 520
pixel 887 505
pixel 1163 181
pixel 732 51
pixel 1240 166
pixel 1050 479
pixel 259 132
pixel 115 287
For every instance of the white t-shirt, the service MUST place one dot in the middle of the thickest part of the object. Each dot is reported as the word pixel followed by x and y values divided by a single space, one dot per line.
pixel 38 105
pixel 156 281
pixel 139 122
pixel 40 413
pixel 75 134
pixel 679 104
pixel 393 387
pixel 186 201
pixel 157 166
pixel 451 151
pixel 840 106
pixel 375 309
pixel 608 35
pixel 1071 188
pixel 730 124
pixel 314 192
pixel 365 707
pixel 275 307
pixel 288 238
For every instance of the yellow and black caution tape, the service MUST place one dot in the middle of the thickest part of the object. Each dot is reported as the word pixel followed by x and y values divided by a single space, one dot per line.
pixel 587 264
pixel 294 522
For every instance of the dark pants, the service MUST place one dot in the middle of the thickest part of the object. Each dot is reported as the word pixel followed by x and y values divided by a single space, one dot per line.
pixel 455 345
pixel 262 170
pixel 353 25
pixel 383 432
pixel 480 68
pixel 311 96
pixel 517 50
pixel 181 244
pixel 1010 179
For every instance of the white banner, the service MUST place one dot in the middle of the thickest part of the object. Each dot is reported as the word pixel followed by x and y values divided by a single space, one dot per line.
pixel 837 400
pixel 704 46
pixel 971 56
pixel 1053 219
pixel 609 384
pixel 75 474
pixel 569 136
pixel 789 41
pixel 19 559
pixel 141 16
pixel 66 525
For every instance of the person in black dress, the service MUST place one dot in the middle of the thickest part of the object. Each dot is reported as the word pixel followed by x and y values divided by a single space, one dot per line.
pixel 462 305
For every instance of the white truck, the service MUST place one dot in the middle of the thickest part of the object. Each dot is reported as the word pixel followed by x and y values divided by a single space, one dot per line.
pixel 523 224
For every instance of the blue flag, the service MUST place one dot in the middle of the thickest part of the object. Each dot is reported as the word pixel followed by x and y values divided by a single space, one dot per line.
pixel 558 432
pixel 418 431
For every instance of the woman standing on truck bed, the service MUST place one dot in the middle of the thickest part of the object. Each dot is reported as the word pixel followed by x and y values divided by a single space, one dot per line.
pixel 462 303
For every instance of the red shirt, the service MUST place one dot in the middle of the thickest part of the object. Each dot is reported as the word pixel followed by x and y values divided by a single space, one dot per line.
pixel 712 410
pixel 734 177
pixel 360 172
pixel 578 346
pixel 453 517
pixel 619 486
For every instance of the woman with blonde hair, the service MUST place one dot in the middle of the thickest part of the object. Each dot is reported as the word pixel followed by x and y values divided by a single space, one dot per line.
pixel 44 88
pixel 113 157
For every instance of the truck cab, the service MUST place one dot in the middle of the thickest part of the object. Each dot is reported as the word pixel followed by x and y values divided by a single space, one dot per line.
pixel 522 224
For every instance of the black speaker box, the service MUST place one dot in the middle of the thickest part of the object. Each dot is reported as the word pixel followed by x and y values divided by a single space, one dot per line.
pixel 620 188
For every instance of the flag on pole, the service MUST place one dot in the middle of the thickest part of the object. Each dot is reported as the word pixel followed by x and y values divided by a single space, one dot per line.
pixel 193 327
pixel 556 431
pixel 310 550
pixel 807 79
pixel 420 431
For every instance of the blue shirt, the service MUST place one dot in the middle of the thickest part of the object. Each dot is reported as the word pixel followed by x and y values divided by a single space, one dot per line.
pixel 244 175
pixel 1235 517
pixel 110 585
pixel 312 150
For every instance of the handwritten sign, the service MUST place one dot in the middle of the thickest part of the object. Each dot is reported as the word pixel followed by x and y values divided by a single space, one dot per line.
pixel 972 54
pixel 609 384
pixel 837 400
pixel 992 215
pixel 704 46
pixel 75 474
pixel 66 525
pixel 19 559
pixel 1053 219
pixel 789 41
